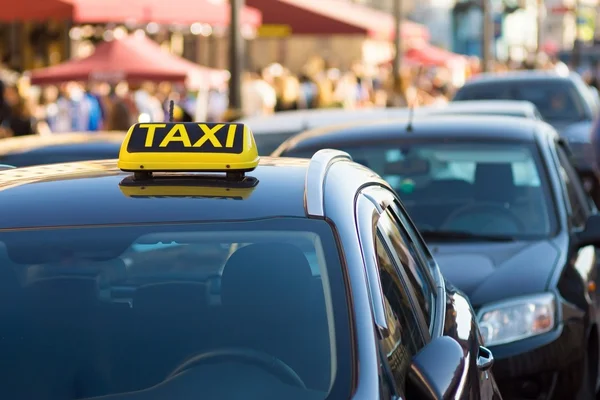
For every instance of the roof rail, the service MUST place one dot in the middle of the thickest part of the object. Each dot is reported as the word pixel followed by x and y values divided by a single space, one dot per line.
pixel 314 186
pixel 6 166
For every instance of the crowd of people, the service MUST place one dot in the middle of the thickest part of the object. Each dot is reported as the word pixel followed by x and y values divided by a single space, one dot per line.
pixel 89 107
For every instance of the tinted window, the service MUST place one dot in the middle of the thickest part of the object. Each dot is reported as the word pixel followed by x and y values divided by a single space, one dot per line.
pixel 268 142
pixel 410 263
pixel 482 188
pixel 556 100
pixel 106 310
pixel 575 193
pixel 404 339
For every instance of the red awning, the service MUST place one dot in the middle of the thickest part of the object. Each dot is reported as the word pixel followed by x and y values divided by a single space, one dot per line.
pixel 31 10
pixel 326 17
pixel 184 12
pixel 198 76
pixel 114 61
pixel 429 55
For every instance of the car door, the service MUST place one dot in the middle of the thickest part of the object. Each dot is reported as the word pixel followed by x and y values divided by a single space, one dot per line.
pixel 479 383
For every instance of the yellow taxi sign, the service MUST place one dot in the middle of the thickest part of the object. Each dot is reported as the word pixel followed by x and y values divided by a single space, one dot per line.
pixel 183 192
pixel 188 147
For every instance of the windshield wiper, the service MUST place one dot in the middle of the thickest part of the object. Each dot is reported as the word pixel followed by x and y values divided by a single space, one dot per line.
pixel 458 235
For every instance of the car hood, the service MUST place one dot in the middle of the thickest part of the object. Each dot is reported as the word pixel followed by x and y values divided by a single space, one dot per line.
pixel 488 272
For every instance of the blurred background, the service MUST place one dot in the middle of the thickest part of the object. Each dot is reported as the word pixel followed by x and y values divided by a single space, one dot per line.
pixel 91 65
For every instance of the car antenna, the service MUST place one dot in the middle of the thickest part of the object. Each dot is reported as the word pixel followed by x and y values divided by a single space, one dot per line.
pixel 171 110
pixel 411 105
pixel 411 113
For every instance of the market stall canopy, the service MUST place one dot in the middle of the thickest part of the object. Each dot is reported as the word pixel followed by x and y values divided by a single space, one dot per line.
pixel 429 55
pixel 114 61
pixel 329 17
pixel 198 76
pixel 185 12
pixel 32 10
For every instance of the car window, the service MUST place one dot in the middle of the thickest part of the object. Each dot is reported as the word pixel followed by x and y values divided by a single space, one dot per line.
pixel 410 261
pixel 137 301
pixel 266 143
pixel 476 186
pixel 415 238
pixel 404 339
pixel 556 99
pixel 575 193
pixel 537 115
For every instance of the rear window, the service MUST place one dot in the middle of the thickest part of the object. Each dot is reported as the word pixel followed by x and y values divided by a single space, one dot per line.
pixel 556 100
pixel 204 309
pixel 268 142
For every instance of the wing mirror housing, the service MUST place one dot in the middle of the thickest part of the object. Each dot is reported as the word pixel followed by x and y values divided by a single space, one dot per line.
pixel 436 370
pixel 590 235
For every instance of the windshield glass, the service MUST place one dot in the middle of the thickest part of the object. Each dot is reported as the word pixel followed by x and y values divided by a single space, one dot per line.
pixel 556 100
pixel 200 310
pixel 494 188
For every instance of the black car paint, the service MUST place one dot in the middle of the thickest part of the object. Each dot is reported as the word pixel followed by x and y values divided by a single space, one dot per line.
pixel 63 153
pixel 72 193
pixel 556 264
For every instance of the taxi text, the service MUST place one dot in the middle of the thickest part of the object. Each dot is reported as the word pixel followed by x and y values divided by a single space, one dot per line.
pixel 178 133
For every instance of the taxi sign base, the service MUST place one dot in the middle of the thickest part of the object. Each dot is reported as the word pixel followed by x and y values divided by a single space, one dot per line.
pixel 229 176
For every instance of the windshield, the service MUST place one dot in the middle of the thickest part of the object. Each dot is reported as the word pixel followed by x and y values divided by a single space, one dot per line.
pixel 493 188
pixel 556 100
pixel 200 310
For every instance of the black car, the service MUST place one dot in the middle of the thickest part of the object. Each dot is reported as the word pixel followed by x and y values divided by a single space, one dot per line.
pixel 277 279
pixel 502 208
pixel 564 100
pixel 25 151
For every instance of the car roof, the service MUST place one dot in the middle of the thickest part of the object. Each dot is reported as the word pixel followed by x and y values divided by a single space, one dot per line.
pixel 77 141
pixel 296 121
pixel 455 126
pixel 300 120
pixel 513 76
pixel 516 106
pixel 88 194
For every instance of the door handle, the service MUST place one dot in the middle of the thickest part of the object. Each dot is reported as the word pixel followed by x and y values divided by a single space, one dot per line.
pixel 485 359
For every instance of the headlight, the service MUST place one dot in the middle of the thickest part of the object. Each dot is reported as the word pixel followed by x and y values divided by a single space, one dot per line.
pixel 517 319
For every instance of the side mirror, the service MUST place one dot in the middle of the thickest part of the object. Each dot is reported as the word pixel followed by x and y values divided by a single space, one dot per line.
pixel 590 235
pixel 436 370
